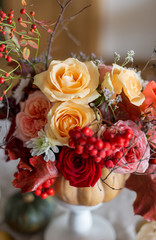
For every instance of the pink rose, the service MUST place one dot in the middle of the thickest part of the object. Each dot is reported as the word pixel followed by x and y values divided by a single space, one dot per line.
pixel 33 116
pixel 103 69
pixel 137 154
pixel 27 127
pixel 36 106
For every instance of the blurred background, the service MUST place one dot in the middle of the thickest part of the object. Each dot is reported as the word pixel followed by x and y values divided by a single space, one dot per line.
pixel 105 27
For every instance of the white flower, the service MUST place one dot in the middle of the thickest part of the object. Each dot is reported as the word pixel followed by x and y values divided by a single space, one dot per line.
pixel 18 93
pixel 42 145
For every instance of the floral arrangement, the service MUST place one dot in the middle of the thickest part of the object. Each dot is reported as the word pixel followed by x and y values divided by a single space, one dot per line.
pixel 75 117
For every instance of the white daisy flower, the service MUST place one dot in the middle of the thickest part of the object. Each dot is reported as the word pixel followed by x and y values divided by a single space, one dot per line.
pixel 42 145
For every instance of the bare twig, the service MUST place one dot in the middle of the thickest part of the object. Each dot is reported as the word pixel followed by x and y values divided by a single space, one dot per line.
pixel 76 14
pixel 63 8
pixel 59 3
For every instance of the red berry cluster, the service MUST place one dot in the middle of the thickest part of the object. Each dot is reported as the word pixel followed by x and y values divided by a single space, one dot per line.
pixel 100 149
pixel 7 18
pixel 45 189
pixel 3 53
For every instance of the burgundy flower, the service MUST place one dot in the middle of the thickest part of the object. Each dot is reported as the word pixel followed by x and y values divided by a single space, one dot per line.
pixel 80 172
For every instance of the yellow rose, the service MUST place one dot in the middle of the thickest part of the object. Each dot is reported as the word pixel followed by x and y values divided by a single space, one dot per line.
pixel 69 80
pixel 126 80
pixel 65 116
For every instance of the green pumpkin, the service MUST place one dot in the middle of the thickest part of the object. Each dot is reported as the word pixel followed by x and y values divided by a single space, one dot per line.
pixel 28 213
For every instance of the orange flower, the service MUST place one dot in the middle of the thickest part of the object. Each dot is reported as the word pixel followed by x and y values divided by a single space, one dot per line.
pixel 150 96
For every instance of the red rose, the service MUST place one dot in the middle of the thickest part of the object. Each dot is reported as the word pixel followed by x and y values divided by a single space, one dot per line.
pixel 80 172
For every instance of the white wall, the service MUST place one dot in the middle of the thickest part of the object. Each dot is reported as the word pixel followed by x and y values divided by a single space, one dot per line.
pixel 127 25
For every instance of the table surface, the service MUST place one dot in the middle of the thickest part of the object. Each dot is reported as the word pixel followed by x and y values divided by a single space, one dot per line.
pixel 119 211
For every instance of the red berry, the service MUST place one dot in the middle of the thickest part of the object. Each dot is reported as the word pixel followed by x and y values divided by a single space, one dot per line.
pixel 6 51
pixel 21 37
pixel 3 45
pixel 87 131
pixel 102 154
pixel 89 147
pixel 23 11
pixel 106 135
pixel 50 192
pixel 109 152
pixel 97 159
pixel 43 195
pixel 126 144
pixel 91 140
pixel 1 49
pixel 85 155
pixel 3 15
pixel 109 164
pixel 7 74
pixel 11 35
pixel 40 187
pixel 4 92
pixel 38 192
pixel 32 30
pixel 47 184
pixel 71 144
pixel 10 15
pixel 79 149
pixel 9 20
pixel 1 55
pixel 118 155
pixel 1 80
pixel 106 145
pixel 1 98
pixel 32 13
pixel 128 134
pixel 3 32
pixel 16 174
pixel 82 141
pixel 52 180
pixel 9 59
pixel 20 19
pixel 11 10
pixel 153 161
pixel 33 26
pixel 99 144
pixel 93 152
pixel 77 134
pixel 119 140
pixel 13 30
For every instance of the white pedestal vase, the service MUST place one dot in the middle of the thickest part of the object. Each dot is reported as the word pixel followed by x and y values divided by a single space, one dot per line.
pixel 79 224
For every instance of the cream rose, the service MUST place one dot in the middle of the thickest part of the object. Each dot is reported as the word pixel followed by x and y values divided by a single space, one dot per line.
pixel 69 80
pixel 126 80
pixel 65 116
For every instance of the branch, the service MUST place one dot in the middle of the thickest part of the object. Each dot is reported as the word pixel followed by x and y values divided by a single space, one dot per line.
pixel 63 8
pixel 75 15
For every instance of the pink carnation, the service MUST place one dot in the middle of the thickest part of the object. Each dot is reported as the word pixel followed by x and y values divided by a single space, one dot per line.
pixel 138 153
pixel 33 116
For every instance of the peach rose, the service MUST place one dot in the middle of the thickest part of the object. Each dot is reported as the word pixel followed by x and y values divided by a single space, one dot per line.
pixel 65 116
pixel 27 127
pixel 69 80
pixel 36 106
pixel 33 116
pixel 126 80
pixel 150 96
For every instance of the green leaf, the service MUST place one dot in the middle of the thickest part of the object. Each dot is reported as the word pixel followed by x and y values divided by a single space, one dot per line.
pixel 23 42
pixel 99 101
pixel 22 32
pixel 32 44
pixel 32 34
pixel 23 24
pixel 26 53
